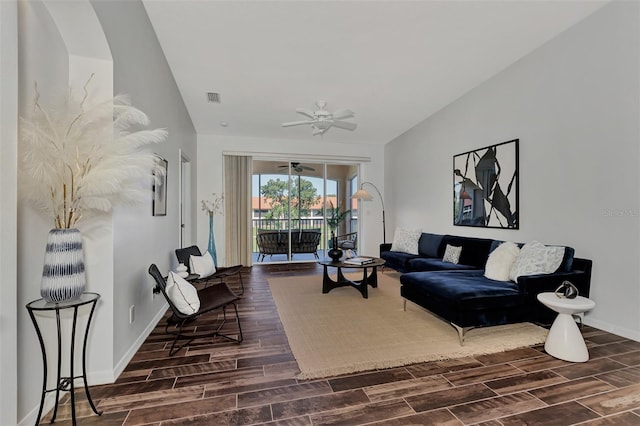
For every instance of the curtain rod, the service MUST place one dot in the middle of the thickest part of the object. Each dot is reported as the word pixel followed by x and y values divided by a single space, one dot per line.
pixel 289 156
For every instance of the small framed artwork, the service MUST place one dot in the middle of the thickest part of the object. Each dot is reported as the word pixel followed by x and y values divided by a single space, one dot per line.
pixel 159 204
pixel 485 187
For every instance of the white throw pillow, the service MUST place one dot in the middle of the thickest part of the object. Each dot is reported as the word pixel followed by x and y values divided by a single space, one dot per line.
pixel 501 260
pixel 452 254
pixel 536 258
pixel 202 265
pixel 406 240
pixel 183 295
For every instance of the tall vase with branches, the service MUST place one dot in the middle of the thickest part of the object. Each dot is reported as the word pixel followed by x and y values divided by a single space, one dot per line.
pixel 335 217
pixel 213 207
pixel 78 160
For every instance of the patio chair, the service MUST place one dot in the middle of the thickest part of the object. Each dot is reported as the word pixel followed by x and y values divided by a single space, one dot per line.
pixel 348 241
pixel 183 255
pixel 214 297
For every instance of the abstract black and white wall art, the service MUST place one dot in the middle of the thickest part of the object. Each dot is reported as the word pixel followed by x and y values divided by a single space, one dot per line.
pixel 485 187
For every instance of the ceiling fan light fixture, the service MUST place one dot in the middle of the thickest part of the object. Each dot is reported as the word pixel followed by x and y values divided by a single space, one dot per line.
pixel 322 120
pixel 322 124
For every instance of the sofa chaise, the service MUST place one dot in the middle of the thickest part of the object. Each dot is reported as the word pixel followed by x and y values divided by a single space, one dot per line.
pixel 462 294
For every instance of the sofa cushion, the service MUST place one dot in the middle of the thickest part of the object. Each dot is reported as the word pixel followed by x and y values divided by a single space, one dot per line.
pixel 397 260
pixel 475 251
pixel 501 260
pixel 536 258
pixel 567 260
pixel 452 254
pixel 465 290
pixel 432 264
pixel 406 240
pixel 429 244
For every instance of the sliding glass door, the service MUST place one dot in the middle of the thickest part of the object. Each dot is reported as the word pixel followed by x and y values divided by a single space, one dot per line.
pixel 298 205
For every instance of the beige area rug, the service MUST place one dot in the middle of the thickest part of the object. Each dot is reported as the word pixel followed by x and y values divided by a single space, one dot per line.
pixel 341 332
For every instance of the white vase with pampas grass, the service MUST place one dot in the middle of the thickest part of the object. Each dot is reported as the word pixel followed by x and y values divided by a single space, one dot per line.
pixel 78 160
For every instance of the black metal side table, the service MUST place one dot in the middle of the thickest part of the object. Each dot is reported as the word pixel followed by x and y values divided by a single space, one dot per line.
pixel 65 383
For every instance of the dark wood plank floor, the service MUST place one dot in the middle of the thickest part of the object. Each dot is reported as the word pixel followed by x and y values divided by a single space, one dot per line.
pixel 217 382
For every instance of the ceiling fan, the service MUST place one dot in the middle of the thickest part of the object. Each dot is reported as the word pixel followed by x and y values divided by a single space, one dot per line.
pixel 322 120
pixel 297 167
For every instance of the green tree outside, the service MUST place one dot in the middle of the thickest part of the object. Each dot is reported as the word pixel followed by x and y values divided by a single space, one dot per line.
pixel 296 202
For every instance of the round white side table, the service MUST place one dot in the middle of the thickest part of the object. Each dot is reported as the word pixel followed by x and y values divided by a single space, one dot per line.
pixel 564 340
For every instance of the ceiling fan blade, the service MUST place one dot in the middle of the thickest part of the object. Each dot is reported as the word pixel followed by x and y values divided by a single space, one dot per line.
pixel 317 131
pixel 344 125
pixel 296 166
pixel 296 123
pixel 343 113
pixel 305 112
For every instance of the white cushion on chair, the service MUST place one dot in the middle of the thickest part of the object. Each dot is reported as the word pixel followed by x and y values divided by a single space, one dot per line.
pixel 183 295
pixel 202 265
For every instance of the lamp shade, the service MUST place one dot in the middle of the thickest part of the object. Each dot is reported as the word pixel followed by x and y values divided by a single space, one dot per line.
pixel 363 194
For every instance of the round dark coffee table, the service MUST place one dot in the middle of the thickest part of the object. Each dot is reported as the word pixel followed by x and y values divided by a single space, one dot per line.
pixel 369 275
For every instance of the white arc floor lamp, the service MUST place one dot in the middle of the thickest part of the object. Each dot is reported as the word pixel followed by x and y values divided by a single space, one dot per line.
pixel 364 195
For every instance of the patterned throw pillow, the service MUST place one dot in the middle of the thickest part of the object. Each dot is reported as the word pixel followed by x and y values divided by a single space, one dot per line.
pixel 452 254
pixel 183 295
pixel 406 240
pixel 500 261
pixel 536 258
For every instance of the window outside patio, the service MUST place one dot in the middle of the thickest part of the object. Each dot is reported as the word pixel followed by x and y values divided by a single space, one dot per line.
pixel 289 211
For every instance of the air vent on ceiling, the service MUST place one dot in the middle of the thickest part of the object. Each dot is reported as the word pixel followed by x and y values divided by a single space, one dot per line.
pixel 213 97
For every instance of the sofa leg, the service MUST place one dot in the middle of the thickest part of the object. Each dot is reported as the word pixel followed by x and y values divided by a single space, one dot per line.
pixel 461 332
pixel 404 305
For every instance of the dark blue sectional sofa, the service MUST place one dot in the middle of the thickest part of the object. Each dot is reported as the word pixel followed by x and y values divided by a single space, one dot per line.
pixel 461 294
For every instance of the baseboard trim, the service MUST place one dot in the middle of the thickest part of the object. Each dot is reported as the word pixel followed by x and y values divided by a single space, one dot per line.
pixel 611 328
pixel 100 377
pixel 128 356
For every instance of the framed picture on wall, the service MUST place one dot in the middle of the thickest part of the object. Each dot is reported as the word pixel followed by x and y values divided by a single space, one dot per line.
pixel 159 204
pixel 485 187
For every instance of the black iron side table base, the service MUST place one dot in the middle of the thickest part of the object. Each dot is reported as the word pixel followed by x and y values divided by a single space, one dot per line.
pixel 362 285
pixel 65 384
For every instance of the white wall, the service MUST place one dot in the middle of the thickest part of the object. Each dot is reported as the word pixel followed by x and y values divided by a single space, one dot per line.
pixel 62 43
pixel 58 54
pixel 574 105
pixel 140 70
pixel 8 216
pixel 210 177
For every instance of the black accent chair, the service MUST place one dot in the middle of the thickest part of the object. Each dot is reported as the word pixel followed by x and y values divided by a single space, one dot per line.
pixel 183 255
pixel 214 297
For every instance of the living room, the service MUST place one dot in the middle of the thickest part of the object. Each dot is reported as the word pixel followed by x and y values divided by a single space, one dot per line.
pixel 573 103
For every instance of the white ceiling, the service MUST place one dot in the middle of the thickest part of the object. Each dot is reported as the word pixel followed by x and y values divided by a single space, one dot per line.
pixel 393 63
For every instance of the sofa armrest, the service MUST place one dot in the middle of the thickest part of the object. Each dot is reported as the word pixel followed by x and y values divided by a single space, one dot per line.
pixel 534 284
pixel 385 247
pixel 580 276
pixel 530 286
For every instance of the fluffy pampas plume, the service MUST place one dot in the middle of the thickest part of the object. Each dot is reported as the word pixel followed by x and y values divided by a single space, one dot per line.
pixel 77 159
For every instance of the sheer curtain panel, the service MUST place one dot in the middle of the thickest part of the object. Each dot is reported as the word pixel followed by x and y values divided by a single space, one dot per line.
pixel 237 197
